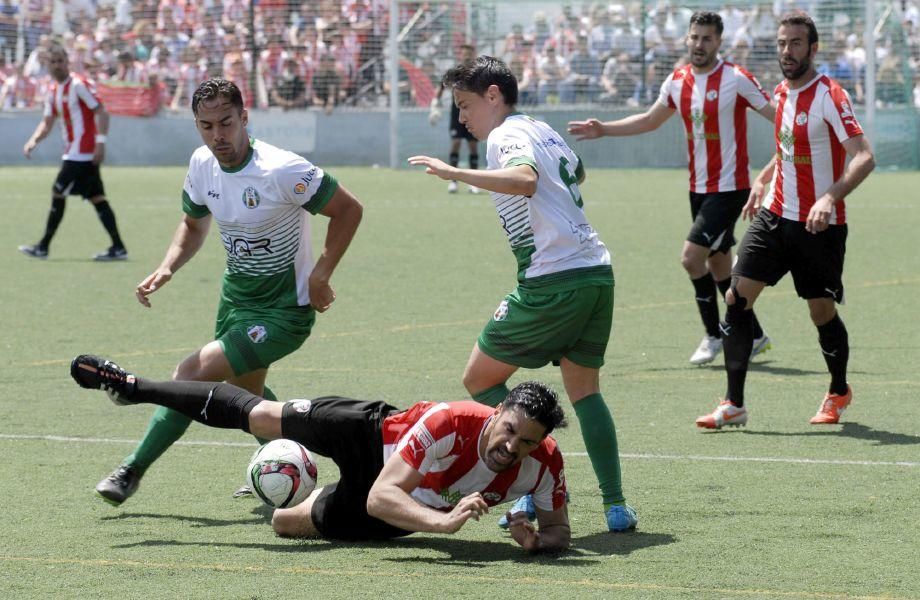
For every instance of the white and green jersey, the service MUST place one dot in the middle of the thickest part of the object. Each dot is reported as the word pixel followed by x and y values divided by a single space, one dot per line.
pixel 261 208
pixel 548 232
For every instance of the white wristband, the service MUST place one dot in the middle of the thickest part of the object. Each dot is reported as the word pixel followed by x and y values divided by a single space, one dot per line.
pixel 100 139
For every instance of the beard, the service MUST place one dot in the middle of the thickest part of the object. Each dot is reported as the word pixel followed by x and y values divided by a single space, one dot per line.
pixel 796 70
pixel 702 60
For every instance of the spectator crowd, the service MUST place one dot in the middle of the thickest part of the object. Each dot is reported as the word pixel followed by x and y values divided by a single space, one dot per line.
pixel 325 53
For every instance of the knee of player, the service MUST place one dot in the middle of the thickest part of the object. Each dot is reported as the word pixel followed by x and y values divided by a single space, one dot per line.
pixel 283 523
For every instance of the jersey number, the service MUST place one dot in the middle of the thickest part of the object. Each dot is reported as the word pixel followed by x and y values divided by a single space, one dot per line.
pixel 571 182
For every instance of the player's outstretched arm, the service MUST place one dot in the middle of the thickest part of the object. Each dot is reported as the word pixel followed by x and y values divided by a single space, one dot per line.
pixel 189 236
pixel 344 212
pixel 554 534
pixel 650 120
pixel 519 180
pixel 389 501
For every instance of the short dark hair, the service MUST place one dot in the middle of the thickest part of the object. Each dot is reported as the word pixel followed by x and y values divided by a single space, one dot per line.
pixel 478 74
pixel 537 402
pixel 215 88
pixel 705 17
pixel 801 18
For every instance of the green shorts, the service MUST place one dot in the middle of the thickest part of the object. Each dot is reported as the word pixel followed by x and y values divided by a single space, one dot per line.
pixel 532 329
pixel 255 338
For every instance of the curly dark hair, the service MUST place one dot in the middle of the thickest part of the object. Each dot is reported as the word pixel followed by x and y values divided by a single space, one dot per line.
pixel 478 74
pixel 538 402
pixel 215 88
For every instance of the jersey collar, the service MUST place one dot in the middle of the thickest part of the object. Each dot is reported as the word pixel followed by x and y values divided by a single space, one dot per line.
pixel 243 164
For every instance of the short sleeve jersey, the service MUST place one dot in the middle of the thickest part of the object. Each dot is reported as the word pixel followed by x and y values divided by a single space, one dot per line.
pixel 812 122
pixel 548 232
pixel 74 100
pixel 262 209
pixel 713 108
pixel 441 441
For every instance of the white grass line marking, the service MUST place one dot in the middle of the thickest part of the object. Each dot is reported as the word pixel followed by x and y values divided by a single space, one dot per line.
pixel 675 457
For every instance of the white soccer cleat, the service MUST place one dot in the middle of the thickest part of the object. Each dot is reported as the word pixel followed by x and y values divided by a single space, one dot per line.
pixel 474 189
pixel 760 345
pixel 724 414
pixel 452 187
pixel 707 351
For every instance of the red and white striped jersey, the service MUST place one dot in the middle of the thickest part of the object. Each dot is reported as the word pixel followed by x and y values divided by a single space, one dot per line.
pixel 74 101
pixel 713 107
pixel 441 441
pixel 812 122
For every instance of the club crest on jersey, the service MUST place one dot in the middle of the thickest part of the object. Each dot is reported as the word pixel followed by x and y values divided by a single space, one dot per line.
pixel 801 118
pixel 302 406
pixel 712 95
pixel 257 333
pixel 300 189
pixel 501 312
pixel 251 197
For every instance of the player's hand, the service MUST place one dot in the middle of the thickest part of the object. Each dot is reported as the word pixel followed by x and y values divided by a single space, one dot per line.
pixel 586 130
pixel 99 153
pixel 434 166
pixel 434 113
pixel 754 202
pixel 321 293
pixel 523 531
pixel 469 507
pixel 152 283
pixel 819 217
pixel 29 147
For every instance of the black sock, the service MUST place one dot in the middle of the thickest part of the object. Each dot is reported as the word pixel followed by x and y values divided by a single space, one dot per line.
pixel 474 160
pixel 55 215
pixel 214 404
pixel 454 159
pixel 737 338
pixel 723 287
pixel 108 221
pixel 707 303
pixel 835 346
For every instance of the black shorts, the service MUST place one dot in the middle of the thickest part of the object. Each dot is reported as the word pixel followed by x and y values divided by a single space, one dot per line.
pixel 714 217
pixel 773 246
pixel 458 130
pixel 79 178
pixel 348 432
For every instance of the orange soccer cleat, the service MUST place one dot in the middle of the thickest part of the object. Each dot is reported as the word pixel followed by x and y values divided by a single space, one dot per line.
pixel 832 407
pixel 724 414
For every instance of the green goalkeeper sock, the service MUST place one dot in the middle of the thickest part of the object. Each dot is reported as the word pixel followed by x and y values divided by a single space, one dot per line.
pixel 492 396
pixel 165 428
pixel 600 437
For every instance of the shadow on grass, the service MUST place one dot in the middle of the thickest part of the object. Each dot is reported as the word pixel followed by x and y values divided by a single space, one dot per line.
pixel 851 430
pixel 263 514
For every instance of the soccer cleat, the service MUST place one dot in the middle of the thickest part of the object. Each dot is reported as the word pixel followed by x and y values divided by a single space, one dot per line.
pixel 120 485
pixel 621 517
pixel 452 187
pixel 113 253
pixel 707 351
pixel 96 373
pixel 760 345
pixel 474 189
pixel 724 414
pixel 243 491
pixel 832 407
pixel 35 251
pixel 523 505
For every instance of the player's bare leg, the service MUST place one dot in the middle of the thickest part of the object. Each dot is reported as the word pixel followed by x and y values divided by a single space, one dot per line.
pixel 297 522
pixel 484 377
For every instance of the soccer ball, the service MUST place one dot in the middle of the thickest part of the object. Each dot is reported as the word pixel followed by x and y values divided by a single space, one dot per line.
pixel 282 473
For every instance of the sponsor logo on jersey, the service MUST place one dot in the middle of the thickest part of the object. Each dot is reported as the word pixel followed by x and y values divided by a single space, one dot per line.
pixel 786 140
pixel 301 406
pixel 712 95
pixel 501 312
pixel 452 498
pixel 308 178
pixel 492 497
pixel 845 111
pixel 257 333
pixel 508 148
pixel 238 246
pixel 698 118
pixel 300 188
pixel 213 194
pixel 251 198
pixel 801 118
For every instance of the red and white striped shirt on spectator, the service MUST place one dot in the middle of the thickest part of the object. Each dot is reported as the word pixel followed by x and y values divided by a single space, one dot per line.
pixel 441 441
pixel 812 122
pixel 74 100
pixel 713 107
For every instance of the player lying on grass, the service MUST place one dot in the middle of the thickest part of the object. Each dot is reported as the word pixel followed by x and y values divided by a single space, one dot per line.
pixel 429 468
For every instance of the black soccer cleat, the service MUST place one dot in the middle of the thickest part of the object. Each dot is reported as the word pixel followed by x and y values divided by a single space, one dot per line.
pixel 96 373
pixel 120 485
pixel 35 251
pixel 112 254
